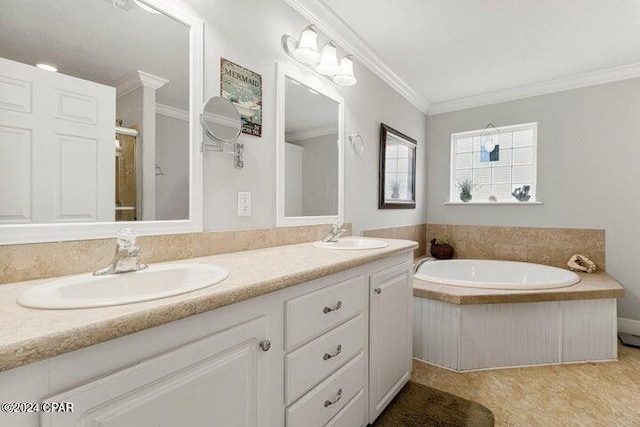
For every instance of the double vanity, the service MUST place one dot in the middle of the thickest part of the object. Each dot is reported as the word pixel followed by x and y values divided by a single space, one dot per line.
pixel 296 335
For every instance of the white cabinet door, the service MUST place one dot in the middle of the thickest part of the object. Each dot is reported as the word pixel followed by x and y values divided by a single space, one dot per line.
pixel 220 380
pixel 390 336
pixel 57 147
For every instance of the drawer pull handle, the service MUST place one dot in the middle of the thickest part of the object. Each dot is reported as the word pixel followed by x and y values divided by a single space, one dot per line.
pixel 338 396
pixel 378 290
pixel 334 308
pixel 328 356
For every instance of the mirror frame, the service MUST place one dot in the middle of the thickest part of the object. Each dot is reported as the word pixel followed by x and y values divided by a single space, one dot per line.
pixel 384 203
pixel 325 88
pixel 54 232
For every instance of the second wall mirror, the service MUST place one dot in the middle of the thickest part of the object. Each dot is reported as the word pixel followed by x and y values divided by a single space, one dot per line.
pixel 310 146
pixel 397 187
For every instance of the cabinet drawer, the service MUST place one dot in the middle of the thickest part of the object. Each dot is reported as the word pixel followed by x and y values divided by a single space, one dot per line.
pixel 352 415
pixel 313 362
pixel 310 315
pixel 322 403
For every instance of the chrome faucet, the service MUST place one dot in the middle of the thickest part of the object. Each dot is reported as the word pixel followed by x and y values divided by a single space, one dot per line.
pixel 335 233
pixel 126 258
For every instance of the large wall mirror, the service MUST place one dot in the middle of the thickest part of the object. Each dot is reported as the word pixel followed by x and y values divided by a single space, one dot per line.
pixel 309 148
pixel 97 130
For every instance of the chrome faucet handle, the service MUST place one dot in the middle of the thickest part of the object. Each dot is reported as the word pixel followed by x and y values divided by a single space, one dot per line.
pixel 126 238
pixel 125 259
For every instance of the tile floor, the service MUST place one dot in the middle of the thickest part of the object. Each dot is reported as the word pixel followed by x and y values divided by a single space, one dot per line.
pixel 587 394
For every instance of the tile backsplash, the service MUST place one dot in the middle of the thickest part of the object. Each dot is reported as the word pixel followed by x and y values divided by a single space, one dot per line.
pixel 549 246
pixel 42 260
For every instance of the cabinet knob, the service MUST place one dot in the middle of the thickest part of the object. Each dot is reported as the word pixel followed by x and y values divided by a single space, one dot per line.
pixel 378 290
pixel 265 345
pixel 334 308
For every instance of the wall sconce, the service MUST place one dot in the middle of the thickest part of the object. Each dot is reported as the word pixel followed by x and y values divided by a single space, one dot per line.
pixel 305 51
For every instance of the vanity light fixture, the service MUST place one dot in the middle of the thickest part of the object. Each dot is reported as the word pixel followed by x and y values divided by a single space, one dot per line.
pixel 345 75
pixel 47 67
pixel 305 51
pixel 328 65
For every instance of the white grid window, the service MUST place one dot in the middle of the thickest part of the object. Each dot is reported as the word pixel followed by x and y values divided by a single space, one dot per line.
pixel 496 175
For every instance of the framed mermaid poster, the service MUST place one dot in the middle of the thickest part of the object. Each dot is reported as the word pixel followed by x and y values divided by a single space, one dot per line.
pixel 243 88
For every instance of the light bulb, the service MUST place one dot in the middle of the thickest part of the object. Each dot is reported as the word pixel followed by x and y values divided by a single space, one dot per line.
pixel 47 67
pixel 307 48
pixel 345 75
pixel 329 61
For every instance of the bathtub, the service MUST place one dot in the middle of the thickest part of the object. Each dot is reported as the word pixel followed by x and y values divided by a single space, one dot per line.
pixel 489 274
pixel 540 329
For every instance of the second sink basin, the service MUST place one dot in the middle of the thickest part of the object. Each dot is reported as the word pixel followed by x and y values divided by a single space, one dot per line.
pixel 88 291
pixel 352 244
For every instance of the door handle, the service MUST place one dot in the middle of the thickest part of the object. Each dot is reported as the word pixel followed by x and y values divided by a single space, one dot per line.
pixel 378 291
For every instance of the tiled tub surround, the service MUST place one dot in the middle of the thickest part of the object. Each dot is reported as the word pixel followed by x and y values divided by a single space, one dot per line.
pixel 417 233
pixel 548 246
pixel 28 335
pixel 43 260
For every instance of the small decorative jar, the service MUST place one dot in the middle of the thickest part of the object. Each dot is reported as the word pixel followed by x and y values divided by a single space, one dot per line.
pixel 441 250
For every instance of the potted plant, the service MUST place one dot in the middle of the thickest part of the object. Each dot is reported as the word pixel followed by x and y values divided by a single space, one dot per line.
pixel 395 190
pixel 440 248
pixel 522 193
pixel 466 187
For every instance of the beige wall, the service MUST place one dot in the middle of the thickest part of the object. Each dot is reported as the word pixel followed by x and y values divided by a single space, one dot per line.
pixel 588 174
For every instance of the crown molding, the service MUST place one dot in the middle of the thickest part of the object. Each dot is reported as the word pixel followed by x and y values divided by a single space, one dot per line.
pixel 594 78
pixel 139 79
pixel 176 113
pixel 311 133
pixel 318 13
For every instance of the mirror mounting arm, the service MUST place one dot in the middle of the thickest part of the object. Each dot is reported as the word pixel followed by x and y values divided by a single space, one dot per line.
pixel 237 151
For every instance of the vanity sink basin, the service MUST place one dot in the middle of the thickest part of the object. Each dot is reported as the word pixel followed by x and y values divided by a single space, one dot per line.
pixel 88 291
pixel 352 244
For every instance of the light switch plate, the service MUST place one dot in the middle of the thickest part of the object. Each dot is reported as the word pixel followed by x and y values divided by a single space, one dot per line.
pixel 244 203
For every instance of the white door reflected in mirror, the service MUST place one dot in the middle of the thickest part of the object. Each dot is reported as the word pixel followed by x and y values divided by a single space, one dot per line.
pixel 102 133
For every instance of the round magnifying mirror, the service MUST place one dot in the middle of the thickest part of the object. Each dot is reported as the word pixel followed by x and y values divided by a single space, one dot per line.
pixel 221 120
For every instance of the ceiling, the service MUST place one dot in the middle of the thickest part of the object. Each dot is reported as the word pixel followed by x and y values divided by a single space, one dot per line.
pixel 96 41
pixel 453 49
